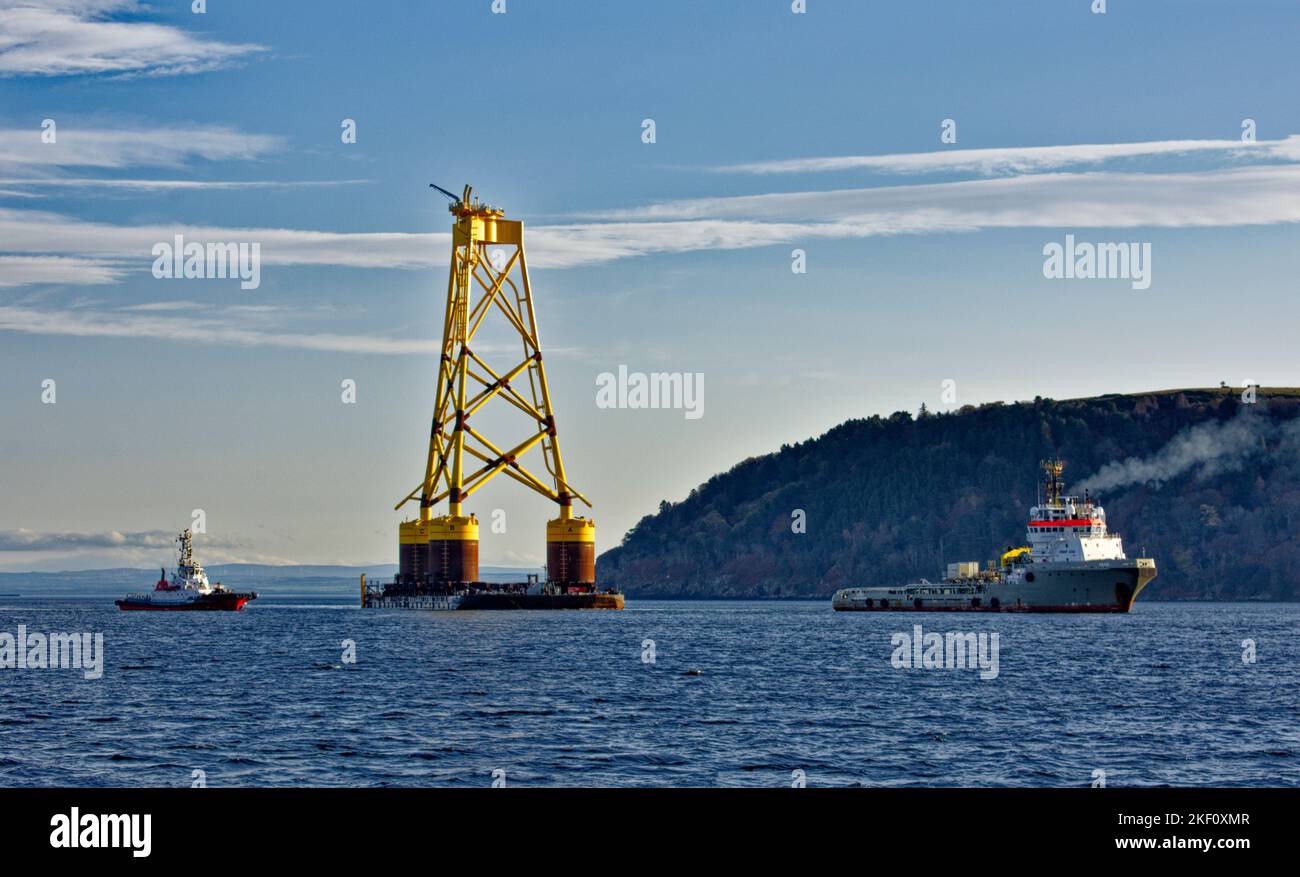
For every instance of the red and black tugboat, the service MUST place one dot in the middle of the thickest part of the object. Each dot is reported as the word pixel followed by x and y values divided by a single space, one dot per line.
pixel 188 589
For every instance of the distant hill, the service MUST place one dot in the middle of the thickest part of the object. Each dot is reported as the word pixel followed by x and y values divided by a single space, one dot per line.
pixel 1203 482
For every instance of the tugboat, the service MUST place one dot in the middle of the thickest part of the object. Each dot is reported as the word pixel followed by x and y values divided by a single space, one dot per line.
pixel 188 590
pixel 1071 564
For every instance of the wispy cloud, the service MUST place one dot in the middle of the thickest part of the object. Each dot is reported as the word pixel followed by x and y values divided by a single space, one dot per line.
pixel 1258 195
pixel 33 540
pixel 28 270
pixel 22 151
pixel 178 305
pixel 1021 159
pixel 33 232
pixel 33 164
pixel 89 323
pixel 49 248
pixel 167 185
pixel 64 37
pixel 1239 196
pixel 211 326
pixel 24 549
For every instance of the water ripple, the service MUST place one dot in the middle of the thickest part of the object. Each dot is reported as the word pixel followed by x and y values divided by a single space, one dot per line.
pixel 741 694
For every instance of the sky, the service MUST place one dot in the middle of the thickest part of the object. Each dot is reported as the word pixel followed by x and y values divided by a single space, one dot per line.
pixel 773 131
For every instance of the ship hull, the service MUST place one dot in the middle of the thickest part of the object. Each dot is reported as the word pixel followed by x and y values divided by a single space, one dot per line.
pixel 542 601
pixel 216 603
pixel 490 600
pixel 1083 586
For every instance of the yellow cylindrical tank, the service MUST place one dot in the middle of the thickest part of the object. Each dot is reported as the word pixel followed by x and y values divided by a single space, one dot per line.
pixel 571 551
pixel 453 548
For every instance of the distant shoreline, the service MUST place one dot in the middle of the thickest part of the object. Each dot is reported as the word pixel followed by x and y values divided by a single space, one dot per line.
pixel 348 591
pixel 342 582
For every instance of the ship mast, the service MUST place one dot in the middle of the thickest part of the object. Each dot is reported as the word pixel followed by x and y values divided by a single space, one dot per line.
pixel 187 550
pixel 1052 470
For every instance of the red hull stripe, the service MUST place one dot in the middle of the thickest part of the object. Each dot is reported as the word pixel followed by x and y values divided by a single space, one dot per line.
pixel 1073 522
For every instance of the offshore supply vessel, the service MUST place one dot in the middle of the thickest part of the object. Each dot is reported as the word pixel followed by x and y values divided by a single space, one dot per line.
pixel 187 590
pixel 1071 564
pixel 438 554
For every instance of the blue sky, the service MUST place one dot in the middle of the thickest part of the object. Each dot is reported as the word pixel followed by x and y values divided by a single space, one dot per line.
pixel 774 131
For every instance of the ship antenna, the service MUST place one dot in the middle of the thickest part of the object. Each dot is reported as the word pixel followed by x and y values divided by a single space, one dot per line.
pixel 187 555
pixel 1052 470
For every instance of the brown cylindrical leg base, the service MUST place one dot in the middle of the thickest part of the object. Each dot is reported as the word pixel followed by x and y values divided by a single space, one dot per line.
pixel 571 563
pixel 453 560
pixel 412 551
pixel 452 550
pixel 571 552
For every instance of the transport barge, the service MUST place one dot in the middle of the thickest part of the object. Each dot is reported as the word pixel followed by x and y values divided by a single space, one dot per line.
pixel 485 595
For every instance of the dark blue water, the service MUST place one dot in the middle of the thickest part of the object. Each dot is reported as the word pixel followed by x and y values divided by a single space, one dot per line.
pixel 262 697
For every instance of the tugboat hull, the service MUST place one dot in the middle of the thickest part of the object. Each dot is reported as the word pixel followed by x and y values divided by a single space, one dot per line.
pixel 215 603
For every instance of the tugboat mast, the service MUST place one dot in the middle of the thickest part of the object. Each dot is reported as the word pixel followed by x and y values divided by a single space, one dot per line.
pixel 186 540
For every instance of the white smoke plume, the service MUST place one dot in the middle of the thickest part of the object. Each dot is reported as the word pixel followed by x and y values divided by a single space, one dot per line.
pixel 1214 447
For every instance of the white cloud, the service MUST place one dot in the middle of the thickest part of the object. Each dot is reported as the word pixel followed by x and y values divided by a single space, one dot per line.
pixel 28 232
pixel 33 164
pixel 177 305
pixel 32 540
pixel 30 550
pixel 164 185
pixel 64 37
pixel 23 152
pixel 1236 197
pixel 83 323
pixel 1241 196
pixel 51 248
pixel 27 270
pixel 206 326
pixel 1020 159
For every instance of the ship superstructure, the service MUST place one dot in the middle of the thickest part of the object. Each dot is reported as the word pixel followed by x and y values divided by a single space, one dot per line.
pixel 1066 528
pixel 1071 564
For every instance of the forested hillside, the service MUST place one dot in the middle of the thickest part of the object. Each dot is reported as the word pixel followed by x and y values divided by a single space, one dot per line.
pixel 1203 482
